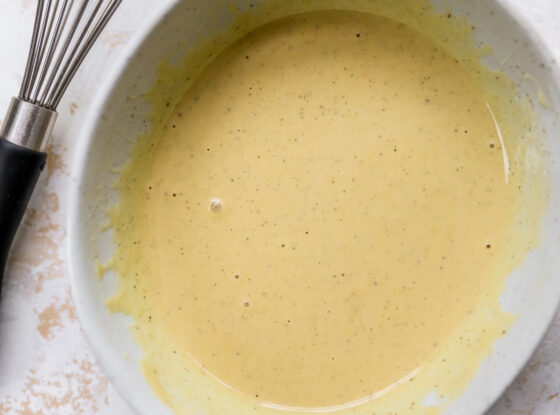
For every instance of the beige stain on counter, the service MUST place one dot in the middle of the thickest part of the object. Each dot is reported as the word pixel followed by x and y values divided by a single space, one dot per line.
pixel 55 316
pixel 78 392
pixel 115 39
pixel 56 162
pixel 72 108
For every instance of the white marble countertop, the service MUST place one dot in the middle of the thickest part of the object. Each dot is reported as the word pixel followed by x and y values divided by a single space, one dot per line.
pixel 46 366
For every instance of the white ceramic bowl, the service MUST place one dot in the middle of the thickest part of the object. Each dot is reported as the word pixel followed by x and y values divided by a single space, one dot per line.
pixel 533 291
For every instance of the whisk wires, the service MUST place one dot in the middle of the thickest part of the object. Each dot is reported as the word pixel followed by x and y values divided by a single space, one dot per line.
pixel 63 34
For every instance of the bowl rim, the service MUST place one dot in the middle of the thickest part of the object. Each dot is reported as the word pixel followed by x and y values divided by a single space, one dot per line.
pixel 106 357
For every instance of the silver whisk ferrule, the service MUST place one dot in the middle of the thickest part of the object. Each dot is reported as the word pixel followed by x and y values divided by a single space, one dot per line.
pixel 28 125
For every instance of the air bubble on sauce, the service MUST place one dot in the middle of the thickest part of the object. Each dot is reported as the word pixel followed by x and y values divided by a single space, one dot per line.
pixel 215 205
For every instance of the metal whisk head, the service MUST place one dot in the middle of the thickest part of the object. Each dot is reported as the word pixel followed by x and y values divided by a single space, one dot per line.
pixel 63 34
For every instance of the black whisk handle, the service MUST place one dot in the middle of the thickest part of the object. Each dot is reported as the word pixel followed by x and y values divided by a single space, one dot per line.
pixel 20 169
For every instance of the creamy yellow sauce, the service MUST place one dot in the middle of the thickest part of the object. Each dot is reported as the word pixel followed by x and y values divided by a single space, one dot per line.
pixel 328 211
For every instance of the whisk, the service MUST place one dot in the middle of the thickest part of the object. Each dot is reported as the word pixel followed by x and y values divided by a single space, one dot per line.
pixel 63 34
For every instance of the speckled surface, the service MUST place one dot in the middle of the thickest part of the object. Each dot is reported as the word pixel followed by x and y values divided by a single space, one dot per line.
pixel 45 363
